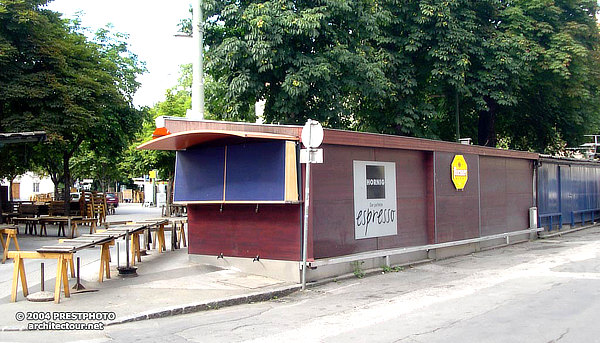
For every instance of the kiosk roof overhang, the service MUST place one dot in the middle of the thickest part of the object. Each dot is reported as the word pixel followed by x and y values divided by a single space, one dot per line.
pixel 186 139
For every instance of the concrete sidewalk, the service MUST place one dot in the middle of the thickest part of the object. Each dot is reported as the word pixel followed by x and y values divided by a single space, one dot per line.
pixel 167 284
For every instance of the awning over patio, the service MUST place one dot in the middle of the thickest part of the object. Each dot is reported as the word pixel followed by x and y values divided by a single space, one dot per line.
pixel 22 137
pixel 186 139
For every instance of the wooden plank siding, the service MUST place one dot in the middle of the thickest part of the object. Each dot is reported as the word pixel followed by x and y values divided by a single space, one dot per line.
pixel 333 193
pixel 506 194
pixel 272 232
pixel 457 212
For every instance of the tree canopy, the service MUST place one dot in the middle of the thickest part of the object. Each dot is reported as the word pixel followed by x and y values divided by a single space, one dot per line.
pixel 522 71
pixel 53 78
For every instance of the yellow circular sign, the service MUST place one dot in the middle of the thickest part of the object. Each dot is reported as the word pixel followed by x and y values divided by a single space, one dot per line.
pixel 460 172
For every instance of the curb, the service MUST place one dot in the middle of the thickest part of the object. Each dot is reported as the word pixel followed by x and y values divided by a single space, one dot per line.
pixel 205 306
pixel 564 232
pixel 192 307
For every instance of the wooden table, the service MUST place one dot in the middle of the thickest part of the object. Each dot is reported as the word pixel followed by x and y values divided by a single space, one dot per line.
pixel 63 252
pixel 63 258
pixel 105 241
pixel 62 220
pixel 134 230
pixel 30 224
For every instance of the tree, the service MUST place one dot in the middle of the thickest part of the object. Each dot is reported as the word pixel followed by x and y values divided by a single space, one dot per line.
pixel 306 59
pixel 525 70
pixel 52 78
pixel 139 162
pixel 559 101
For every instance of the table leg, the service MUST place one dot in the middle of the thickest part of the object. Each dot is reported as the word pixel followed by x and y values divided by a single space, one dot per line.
pixel 4 247
pixel 72 266
pixel 174 237
pixel 182 235
pixel 43 229
pixel 61 227
pixel 18 270
pixel 58 282
pixel 161 238
pixel 104 261
pixel 65 277
pixel 135 248
pixel 102 265
pixel 10 234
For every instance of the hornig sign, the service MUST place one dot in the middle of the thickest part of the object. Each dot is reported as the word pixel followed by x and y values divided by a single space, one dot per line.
pixel 374 199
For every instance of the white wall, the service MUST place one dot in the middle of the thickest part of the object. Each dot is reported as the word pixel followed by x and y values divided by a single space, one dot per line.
pixel 26 182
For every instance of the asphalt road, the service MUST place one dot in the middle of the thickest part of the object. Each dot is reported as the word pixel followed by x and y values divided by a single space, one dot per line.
pixel 542 291
pixel 546 291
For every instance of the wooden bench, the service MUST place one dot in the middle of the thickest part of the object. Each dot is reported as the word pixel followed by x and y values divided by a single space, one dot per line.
pixel 10 232
pixel 64 259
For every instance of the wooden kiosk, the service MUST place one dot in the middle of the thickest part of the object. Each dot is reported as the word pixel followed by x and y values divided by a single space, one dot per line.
pixel 378 199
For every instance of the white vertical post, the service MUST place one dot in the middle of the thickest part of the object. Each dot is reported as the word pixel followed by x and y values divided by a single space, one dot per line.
pixel 197 111
pixel 312 137
pixel 305 229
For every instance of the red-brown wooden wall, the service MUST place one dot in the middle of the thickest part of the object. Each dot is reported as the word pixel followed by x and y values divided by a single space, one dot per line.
pixel 332 192
pixel 430 209
pixel 506 194
pixel 272 232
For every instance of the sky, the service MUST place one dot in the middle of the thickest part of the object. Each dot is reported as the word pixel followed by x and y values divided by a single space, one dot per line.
pixel 151 25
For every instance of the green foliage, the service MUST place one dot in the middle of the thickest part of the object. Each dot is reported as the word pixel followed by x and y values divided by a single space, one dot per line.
pixel 526 70
pixel 177 101
pixel 559 98
pixel 53 79
pixel 388 269
pixel 15 160
pixel 357 269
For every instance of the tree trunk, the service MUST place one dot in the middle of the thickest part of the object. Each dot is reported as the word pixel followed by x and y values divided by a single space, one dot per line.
pixel 55 182
pixel 487 119
pixel 10 188
pixel 67 181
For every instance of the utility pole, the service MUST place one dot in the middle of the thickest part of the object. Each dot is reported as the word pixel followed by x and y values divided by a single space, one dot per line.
pixel 197 111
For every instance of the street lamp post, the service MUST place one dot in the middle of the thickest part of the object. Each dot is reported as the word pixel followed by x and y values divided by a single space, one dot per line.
pixel 197 111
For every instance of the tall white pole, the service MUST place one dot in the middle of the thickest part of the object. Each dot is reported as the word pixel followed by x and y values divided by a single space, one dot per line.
pixel 305 228
pixel 306 209
pixel 197 111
